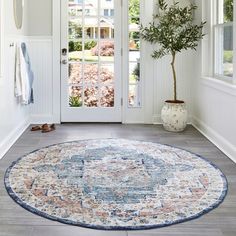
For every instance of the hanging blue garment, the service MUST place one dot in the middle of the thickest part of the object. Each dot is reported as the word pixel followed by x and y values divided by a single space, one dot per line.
pixel 29 73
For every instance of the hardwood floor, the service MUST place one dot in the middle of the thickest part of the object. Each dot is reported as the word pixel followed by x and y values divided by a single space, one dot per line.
pixel 15 221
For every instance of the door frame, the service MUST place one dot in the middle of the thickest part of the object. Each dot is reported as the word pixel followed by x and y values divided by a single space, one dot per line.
pixel 145 114
pixel 96 114
pixel 56 60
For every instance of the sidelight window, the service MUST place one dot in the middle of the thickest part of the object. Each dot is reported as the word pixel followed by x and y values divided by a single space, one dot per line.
pixel 134 55
pixel 224 40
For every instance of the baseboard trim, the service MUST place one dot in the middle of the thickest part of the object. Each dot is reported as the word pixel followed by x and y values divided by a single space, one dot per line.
pixel 42 119
pixel 7 143
pixel 129 122
pixel 224 145
pixel 156 120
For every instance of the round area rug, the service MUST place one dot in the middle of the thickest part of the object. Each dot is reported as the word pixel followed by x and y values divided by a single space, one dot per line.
pixel 115 184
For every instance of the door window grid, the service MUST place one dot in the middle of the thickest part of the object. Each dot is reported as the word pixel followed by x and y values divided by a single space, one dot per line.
pixel 101 88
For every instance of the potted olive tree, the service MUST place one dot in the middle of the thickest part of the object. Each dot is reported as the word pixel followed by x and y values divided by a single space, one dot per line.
pixel 173 31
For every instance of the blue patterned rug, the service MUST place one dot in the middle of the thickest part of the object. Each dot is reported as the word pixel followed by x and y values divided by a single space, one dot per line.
pixel 115 184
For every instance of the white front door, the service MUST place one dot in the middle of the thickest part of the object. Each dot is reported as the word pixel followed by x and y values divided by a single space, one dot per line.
pixel 91 61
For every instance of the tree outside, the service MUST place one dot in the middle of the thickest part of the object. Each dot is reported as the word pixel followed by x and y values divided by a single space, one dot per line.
pixel 228 35
pixel 228 10
pixel 134 11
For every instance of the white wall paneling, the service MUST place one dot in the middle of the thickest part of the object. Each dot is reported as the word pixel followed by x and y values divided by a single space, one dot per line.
pixel 40 52
pixel 14 117
pixel 164 82
pixel 215 114
pixel 40 15
pixel 9 22
pixel 214 111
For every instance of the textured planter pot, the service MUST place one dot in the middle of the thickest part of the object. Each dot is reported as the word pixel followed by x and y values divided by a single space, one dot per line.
pixel 174 116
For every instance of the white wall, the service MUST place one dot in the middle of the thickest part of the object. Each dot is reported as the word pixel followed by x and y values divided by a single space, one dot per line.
pixel 13 116
pixel 8 18
pixel 40 17
pixel 42 40
pixel 41 53
pixel 163 82
pixel 214 111
pixel 158 81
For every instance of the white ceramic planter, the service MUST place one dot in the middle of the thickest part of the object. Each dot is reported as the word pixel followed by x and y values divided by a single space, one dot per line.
pixel 174 116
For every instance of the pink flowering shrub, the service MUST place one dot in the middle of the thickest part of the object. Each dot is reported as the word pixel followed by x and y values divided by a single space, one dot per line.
pixel 90 82
pixel 106 48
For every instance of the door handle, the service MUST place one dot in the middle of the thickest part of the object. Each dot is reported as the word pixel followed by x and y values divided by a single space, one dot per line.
pixel 64 51
pixel 64 62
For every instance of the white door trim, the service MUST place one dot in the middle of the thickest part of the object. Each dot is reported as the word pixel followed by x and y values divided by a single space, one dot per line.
pixel 56 36
pixel 129 115
pixel 96 114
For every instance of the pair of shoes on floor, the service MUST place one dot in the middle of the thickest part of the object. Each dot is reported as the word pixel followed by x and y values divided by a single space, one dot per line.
pixel 45 128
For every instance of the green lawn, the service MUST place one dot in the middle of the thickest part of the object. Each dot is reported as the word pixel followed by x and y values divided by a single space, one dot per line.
pixel 228 56
pixel 78 55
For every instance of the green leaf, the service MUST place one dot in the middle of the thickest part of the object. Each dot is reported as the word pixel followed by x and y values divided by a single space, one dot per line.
pixel 174 31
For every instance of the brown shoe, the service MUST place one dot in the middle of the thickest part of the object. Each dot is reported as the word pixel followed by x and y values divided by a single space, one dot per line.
pixel 36 128
pixel 48 128
pixel 52 126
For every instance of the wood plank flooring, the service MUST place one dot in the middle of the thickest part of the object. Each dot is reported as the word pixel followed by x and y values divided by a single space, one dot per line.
pixel 15 221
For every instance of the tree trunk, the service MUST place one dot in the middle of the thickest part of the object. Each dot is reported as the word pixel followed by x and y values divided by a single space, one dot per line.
pixel 174 75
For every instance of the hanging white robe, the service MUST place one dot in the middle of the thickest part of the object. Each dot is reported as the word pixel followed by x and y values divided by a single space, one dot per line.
pixel 22 85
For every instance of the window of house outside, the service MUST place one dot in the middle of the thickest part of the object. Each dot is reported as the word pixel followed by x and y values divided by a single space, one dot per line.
pixel 223 30
pixel 112 12
pixel 106 12
pixel 134 85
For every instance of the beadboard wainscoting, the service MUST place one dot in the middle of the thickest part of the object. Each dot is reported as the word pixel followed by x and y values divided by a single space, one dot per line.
pixel 14 117
pixel 41 55
pixel 215 114
pixel 163 83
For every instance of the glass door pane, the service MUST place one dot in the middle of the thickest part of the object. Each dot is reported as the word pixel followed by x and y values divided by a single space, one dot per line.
pixel 134 54
pixel 91 61
pixel 91 53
